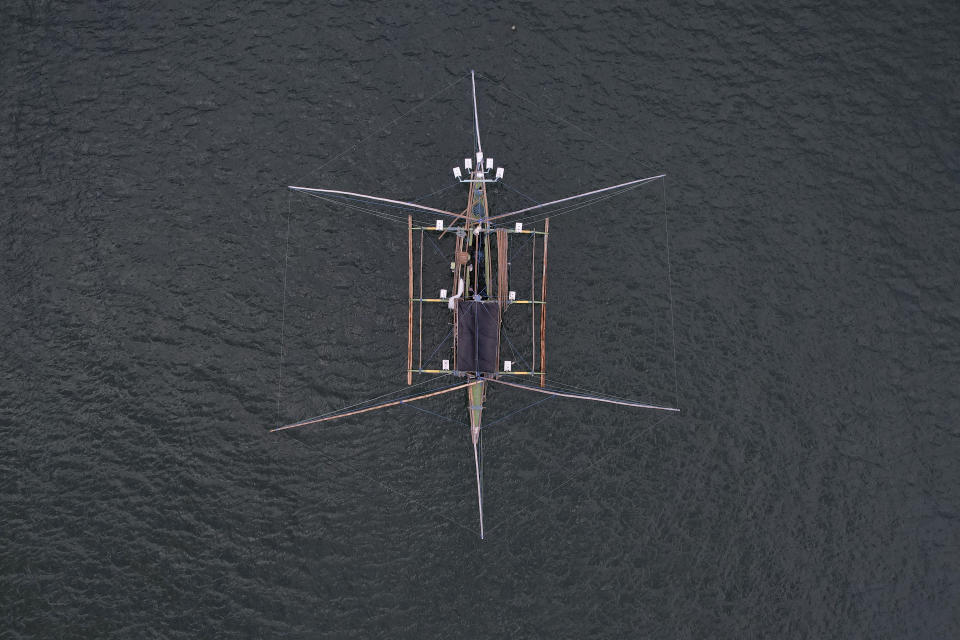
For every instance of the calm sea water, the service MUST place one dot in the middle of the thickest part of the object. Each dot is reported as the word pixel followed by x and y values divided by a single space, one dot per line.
pixel 809 488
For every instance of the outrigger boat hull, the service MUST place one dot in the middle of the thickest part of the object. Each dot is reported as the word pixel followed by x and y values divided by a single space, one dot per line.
pixel 477 305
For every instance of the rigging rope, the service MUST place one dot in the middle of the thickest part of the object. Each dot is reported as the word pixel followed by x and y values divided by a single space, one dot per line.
pixel 283 309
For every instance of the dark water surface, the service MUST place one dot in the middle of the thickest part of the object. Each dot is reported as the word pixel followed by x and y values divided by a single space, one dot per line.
pixel 809 489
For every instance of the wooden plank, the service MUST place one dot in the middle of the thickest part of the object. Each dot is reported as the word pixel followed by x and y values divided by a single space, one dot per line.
pixel 543 307
pixel 410 306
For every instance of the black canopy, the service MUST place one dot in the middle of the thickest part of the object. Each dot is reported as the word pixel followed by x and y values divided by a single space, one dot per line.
pixel 478 335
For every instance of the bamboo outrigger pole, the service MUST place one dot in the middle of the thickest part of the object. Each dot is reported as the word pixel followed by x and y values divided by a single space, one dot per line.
pixel 420 278
pixel 533 307
pixel 376 407
pixel 543 307
pixel 364 196
pixel 578 196
pixel 584 396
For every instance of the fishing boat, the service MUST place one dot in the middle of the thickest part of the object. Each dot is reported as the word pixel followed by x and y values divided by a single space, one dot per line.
pixel 480 291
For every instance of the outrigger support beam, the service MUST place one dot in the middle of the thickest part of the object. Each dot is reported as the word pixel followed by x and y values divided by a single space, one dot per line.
pixel 543 307
pixel 583 396
pixel 579 195
pixel 410 306
pixel 364 196
pixel 383 405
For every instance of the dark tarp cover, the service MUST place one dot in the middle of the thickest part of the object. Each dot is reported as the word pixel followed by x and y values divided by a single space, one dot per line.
pixel 478 335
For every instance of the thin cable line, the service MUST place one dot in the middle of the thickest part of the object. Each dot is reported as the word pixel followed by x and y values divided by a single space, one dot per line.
pixel 522 409
pixel 283 308
pixel 593 136
pixel 437 348
pixel 374 399
pixel 580 205
pixel 441 190
pixel 573 476
pixel 568 387
pixel 374 202
pixel 514 349
pixel 379 214
pixel 383 484
pixel 673 330
pixel 344 413
pixel 522 250
pixel 383 128
pixel 434 413
pixel 519 192
pixel 437 248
